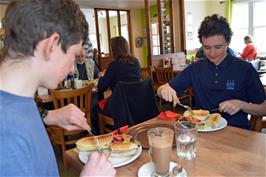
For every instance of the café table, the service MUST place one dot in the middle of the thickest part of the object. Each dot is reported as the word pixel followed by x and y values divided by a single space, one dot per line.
pixel 263 79
pixel 227 152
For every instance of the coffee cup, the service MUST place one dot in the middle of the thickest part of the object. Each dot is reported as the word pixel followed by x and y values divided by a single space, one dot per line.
pixel 160 142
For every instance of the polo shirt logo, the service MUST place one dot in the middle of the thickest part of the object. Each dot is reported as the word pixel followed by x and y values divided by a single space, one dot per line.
pixel 230 84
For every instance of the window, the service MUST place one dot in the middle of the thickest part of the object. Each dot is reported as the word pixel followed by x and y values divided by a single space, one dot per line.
pixel 249 18
pixel 155 39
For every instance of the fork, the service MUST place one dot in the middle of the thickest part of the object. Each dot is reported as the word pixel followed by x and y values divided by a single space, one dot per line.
pixel 186 107
pixel 99 149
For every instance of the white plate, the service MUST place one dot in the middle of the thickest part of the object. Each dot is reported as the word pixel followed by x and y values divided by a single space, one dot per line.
pixel 222 123
pixel 146 170
pixel 117 162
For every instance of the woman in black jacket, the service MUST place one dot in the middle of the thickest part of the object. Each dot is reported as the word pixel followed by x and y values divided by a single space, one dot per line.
pixel 124 67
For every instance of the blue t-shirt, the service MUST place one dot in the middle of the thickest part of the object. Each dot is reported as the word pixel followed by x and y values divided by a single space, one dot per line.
pixel 25 149
pixel 233 78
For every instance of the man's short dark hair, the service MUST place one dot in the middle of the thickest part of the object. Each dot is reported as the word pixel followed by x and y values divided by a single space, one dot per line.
pixel 29 21
pixel 215 25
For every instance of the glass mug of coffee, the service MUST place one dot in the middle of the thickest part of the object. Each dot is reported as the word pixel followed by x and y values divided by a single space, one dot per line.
pixel 186 136
pixel 160 142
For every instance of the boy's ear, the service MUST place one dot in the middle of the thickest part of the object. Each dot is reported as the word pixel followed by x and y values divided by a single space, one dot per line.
pixel 50 45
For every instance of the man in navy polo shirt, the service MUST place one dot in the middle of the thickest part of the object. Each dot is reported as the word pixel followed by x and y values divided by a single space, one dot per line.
pixel 220 80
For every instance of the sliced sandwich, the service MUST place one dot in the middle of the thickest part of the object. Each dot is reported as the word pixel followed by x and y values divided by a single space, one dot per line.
pixel 90 143
pixel 214 119
pixel 123 149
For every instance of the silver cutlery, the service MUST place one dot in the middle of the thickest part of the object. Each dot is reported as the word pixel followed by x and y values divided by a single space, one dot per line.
pixel 176 170
pixel 214 110
pixel 186 107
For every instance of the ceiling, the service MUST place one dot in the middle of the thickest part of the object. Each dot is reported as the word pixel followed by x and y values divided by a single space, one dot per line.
pixel 115 4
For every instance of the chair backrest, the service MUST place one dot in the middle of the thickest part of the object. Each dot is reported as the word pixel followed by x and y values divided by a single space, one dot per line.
pixel 132 103
pixel 145 73
pixel 163 75
pixel 80 97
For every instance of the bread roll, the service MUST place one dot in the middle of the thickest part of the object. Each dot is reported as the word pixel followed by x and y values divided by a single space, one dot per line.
pixel 198 114
pixel 90 143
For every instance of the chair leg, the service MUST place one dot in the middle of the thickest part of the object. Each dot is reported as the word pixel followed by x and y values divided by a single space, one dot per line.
pixel 101 124
pixel 64 160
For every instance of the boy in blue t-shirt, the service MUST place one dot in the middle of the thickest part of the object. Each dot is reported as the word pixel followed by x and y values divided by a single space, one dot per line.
pixel 42 38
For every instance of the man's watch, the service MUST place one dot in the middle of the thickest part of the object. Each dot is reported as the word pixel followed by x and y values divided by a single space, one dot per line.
pixel 44 113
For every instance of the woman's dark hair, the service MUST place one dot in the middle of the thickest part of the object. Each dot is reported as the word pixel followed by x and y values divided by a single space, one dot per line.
pixel 215 25
pixel 120 50
pixel 29 21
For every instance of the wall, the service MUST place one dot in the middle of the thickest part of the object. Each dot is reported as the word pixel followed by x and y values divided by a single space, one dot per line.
pixel 137 30
pixel 214 6
pixel 195 11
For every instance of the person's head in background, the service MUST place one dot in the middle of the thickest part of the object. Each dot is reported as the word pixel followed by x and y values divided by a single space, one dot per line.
pixel 81 57
pixel 95 52
pixel 215 36
pixel 120 50
pixel 47 33
pixel 248 39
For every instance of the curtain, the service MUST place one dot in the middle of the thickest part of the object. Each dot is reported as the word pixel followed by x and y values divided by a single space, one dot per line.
pixel 228 10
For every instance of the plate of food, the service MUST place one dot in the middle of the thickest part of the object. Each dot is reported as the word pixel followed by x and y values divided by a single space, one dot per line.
pixel 121 149
pixel 205 122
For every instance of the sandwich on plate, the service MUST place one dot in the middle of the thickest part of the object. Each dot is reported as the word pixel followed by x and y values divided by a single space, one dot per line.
pixel 111 144
pixel 202 118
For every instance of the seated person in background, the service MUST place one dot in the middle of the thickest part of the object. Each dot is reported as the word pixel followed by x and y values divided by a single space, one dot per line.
pixel 124 66
pixel 220 80
pixel 249 52
pixel 95 57
pixel 85 69
pixel 200 53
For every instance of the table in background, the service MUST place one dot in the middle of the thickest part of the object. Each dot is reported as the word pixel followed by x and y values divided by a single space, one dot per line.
pixel 228 152
pixel 263 79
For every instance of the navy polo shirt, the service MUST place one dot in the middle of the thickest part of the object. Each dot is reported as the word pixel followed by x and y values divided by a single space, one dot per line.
pixel 233 78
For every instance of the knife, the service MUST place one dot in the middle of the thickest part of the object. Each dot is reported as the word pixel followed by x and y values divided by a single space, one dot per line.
pixel 214 110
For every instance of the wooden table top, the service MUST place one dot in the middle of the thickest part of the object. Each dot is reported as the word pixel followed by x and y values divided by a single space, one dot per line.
pixel 227 152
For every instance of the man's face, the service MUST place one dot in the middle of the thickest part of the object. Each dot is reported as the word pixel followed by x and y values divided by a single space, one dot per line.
pixel 215 48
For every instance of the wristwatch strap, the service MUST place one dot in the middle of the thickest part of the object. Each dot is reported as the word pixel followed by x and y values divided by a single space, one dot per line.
pixel 44 113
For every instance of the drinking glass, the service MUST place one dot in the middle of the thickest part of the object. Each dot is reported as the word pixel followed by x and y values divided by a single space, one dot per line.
pixel 186 137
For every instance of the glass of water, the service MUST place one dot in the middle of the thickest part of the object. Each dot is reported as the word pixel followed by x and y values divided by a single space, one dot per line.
pixel 186 138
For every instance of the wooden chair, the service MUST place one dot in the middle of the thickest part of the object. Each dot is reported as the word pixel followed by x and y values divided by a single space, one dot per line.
pixel 145 73
pixel 105 124
pixel 257 123
pixel 82 99
pixel 163 76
